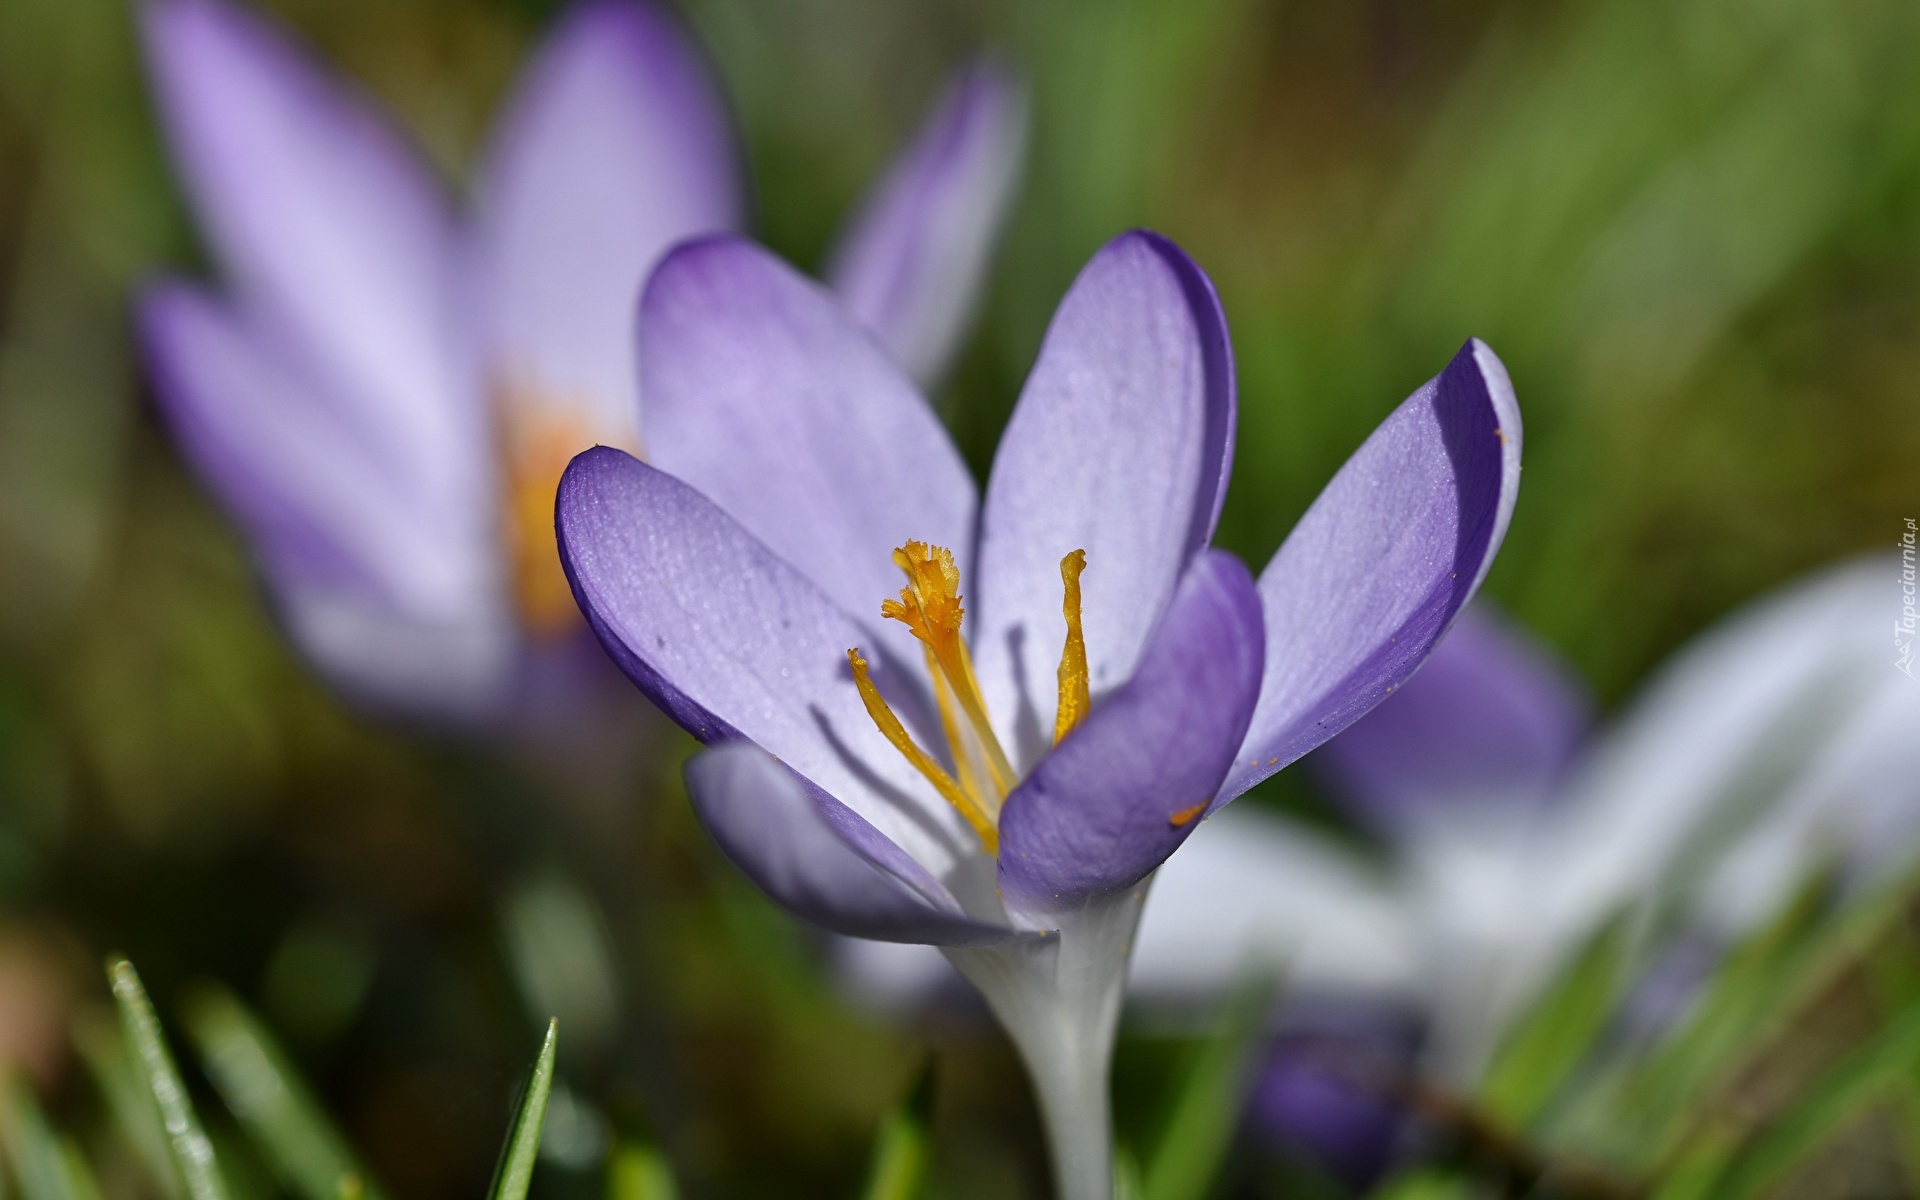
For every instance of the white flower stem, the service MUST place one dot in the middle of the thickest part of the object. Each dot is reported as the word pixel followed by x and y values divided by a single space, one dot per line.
pixel 1059 999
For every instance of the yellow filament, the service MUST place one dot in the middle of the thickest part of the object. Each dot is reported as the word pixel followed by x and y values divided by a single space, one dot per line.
pixel 963 757
pixel 930 606
pixel 1073 656
pixel 894 732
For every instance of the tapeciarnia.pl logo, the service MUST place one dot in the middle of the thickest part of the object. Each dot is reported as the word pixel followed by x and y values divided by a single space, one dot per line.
pixel 1903 628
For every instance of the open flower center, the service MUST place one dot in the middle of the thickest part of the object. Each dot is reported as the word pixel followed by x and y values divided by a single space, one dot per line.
pixel 930 606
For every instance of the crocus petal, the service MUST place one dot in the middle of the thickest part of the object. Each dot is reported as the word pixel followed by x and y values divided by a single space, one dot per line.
pixel 1390 551
pixel 1127 786
pixel 1250 886
pixel 766 396
pixel 391 604
pixel 913 263
pixel 1714 739
pixel 817 858
pixel 615 146
pixel 1491 721
pixel 323 510
pixel 330 229
pixel 1856 802
pixel 1708 746
pixel 1120 446
pixel 1332 1087
pixel 732 642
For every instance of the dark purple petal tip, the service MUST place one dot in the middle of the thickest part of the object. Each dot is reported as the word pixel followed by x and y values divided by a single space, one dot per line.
pixel 1389 553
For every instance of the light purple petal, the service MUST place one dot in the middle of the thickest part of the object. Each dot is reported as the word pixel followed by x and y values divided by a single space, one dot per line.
pixel 1491 721
pixel 1390 551
pixel 456 668
pixel 732 642
pixel 817 858
pixel 1123 790
pixel 913 262
pixel 331 231
pixel 614 146
pixel 764 394
pixel 1121 446
pixel 392 605
pixel 322 511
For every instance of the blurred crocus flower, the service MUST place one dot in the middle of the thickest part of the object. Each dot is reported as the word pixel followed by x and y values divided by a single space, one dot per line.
pixel 386 391
pixel 1004 791
pixel 1778 742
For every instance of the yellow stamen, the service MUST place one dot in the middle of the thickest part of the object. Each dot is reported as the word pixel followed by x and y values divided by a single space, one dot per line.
pixel 539 584
pixel 930 606
pixel 963 758
pixel 894 732
pixel 1186 814
pixel 539 436
pixel 1073 657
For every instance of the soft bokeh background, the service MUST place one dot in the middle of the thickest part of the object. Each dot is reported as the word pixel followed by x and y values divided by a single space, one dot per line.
pixel 1691 227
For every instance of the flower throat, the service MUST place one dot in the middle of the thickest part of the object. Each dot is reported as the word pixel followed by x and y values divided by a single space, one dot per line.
pixel 930 606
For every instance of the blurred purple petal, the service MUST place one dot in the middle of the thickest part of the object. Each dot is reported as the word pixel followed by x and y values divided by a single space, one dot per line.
pixel 454 667
pixel 614 146
pixel 1330 1088
pixel 817 858
pixel 1120 445
pixel 1251 887
pixel 1390 551
pixel 1743 715
pixel 271 443
pixel 765 395
pixel 1123 790
pixel 732 642
pixel 331 230
pixel 1491 720
pixel 913 262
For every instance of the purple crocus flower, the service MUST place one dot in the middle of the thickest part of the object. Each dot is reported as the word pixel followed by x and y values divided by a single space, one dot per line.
pixel 1004 790
pixel 386 390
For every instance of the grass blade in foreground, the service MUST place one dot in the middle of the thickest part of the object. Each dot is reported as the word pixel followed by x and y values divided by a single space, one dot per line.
pixel 1541 1052
pixel 46 1166
pixel 271 1100
pixel 900 1149
pixel 1206 1112
pixel 515 1172
pixel 102 1043
pixel 1870 1075
pixel 192 1152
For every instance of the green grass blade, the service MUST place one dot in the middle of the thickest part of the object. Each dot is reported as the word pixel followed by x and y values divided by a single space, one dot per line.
pixel 102 1044
pixel 1207 1110
pixel 1540 1055
pixel 192 1151
pixel 81 1184
pixel 271 1100
pixel 1864 1078
pixel 636 1171
pixel 45 1165
pixel 522 1147
pixel 902 1147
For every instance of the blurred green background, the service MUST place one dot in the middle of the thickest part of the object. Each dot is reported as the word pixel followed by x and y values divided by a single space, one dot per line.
pixel 1690 227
